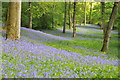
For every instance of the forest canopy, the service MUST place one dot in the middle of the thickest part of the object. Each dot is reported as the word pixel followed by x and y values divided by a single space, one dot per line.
pixel 43 12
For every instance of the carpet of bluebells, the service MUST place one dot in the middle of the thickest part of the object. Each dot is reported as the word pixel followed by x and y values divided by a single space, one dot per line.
pixel 29 58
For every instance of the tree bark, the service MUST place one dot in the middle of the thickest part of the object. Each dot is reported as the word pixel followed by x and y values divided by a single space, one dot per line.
pixel 64 27
pixel 13 27
pixel 30 15
pixel 109 28
pixel 103 13
pixel 53 15
pixel 70 24
pixel 71 20
pixel 90 17
pixel 74 20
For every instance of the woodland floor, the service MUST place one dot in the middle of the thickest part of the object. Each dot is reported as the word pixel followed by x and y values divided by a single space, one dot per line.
pixel 52 54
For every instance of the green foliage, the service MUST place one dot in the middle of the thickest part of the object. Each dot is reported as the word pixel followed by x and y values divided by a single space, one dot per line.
pixel 25 14
pixel 96 14
pixel 117 21
pixel 44 22
pixel 43 12
pixel 80 12
pixel 42 19
pixel 4 10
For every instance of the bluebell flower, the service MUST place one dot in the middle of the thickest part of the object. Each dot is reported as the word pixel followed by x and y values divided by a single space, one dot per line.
pixel 47 60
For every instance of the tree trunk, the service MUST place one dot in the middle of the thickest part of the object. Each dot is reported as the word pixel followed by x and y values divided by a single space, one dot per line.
pixel 74 20
pixel 90 17
pixel 64 27
pixel 53 15
pixel 13 27
pixel 30 15
pixel 70 25
pixel 71 20
pixel 85 14
pixel 103 14
pixel 109 28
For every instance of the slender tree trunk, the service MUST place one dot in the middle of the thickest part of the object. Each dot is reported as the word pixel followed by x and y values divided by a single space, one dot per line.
pixel 64 27
pixel 70 25
pixel 74 20
pixel 109 28
pixel 85 14
pixel 71 20
pixel 13 27
pixel 103 14
pixel 30 15
pixel 90 17
pixel 53 15
pixel 118 21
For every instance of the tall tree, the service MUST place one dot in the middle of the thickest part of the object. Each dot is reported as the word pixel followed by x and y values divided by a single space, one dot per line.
pixel 30 15
pixel 103 13
pixel 13 27
pixel 74 20
pixel 107 33
pixel 65 12
pixel 70 16
pixel 85 14
pixel 90 17
pixel 53 15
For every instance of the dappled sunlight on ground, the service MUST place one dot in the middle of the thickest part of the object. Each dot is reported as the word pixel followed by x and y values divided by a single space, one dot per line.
pixel 45 35
pixel 30 58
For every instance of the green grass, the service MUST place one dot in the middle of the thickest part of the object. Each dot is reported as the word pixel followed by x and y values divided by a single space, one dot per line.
pixel 98 71
pixel 94 45
pixel 86 43
pixel 89 44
